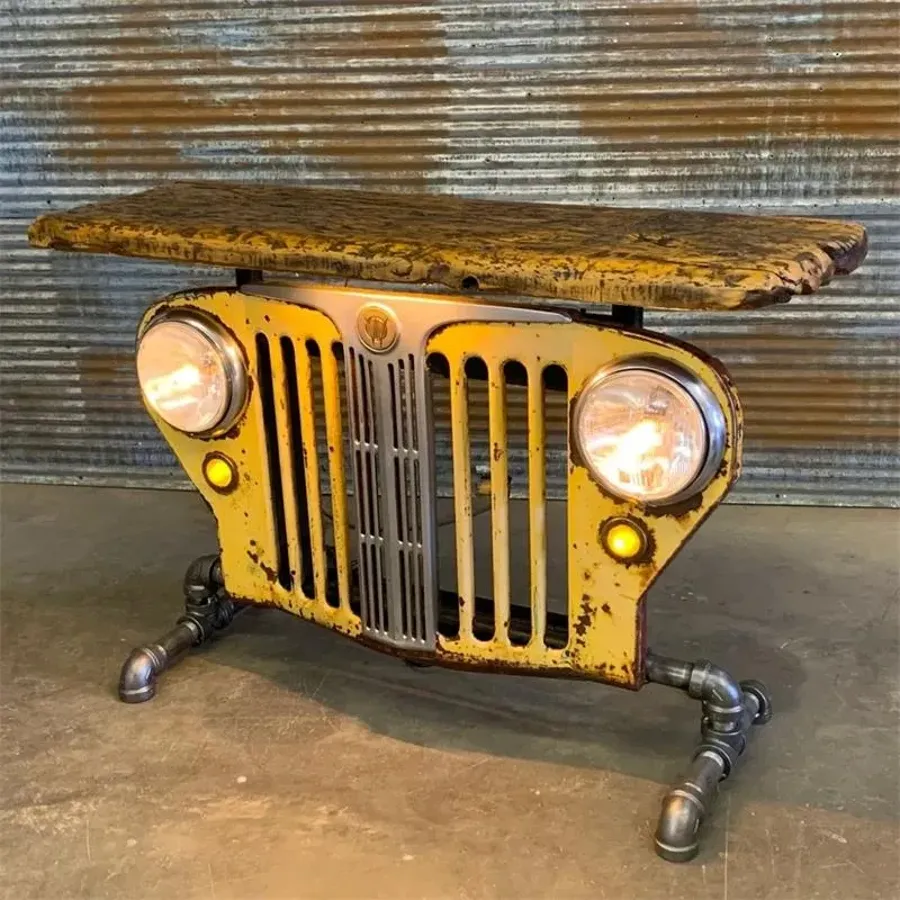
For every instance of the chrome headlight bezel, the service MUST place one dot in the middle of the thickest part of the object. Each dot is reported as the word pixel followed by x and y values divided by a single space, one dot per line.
pixel 710 410
pixel 229 353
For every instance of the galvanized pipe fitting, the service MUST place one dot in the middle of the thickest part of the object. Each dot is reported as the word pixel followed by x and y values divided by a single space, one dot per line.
pixel 207 609
pixel 729 709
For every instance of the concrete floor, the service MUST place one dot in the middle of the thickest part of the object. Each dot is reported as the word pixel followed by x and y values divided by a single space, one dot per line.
pixel 283 761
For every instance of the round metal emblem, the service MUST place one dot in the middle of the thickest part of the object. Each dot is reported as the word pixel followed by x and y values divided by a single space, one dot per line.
pixel 378 327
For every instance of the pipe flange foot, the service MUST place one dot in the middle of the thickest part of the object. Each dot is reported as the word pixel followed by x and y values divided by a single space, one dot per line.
pixel 764 698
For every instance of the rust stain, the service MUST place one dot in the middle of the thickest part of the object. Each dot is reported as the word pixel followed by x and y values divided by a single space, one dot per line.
pixel 792 399
pixel 118 109
pixel 368 146
pixel 816 107
pixel 102 372
pixel 268 571
pixel 155 105
pixel 583 622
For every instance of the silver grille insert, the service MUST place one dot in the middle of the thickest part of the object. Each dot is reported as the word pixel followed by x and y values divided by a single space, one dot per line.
pixel 396 602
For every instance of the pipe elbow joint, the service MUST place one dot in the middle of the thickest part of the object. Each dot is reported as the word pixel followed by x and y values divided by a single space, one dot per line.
pixel 685 807
pixel 203 578
pixel 721 694
pixel 676 834
pixel 137 683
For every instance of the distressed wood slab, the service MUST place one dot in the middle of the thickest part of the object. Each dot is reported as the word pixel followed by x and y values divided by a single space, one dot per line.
pixel 665 259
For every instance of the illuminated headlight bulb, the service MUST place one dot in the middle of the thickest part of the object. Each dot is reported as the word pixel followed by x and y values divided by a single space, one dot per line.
pixel 190 373
pixel 649 431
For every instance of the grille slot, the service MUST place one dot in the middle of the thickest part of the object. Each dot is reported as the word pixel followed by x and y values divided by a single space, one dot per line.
pixel 267 387
pixel 298 474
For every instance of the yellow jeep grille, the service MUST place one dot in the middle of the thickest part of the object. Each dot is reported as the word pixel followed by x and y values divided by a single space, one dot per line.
pixel 335 516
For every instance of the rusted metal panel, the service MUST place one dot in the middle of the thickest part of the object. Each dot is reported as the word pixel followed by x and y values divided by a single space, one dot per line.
pixel 737 105
pixel 272 440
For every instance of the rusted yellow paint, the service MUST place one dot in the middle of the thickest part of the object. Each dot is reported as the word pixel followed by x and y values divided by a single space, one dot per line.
pixel 499 499
pixel 537 503
pixel 311 468
pixel 287 441
pixel 334 435
pixel 246 526
pixel 462 506
pixel 668 259
pixel 606 598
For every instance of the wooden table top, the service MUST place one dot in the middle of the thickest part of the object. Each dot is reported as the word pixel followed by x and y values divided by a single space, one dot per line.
pixel 655 258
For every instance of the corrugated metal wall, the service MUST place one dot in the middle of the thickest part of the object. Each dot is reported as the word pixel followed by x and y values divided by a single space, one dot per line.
pixel 750 105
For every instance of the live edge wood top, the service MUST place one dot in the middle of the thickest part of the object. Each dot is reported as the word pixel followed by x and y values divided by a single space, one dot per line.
pixel 666 259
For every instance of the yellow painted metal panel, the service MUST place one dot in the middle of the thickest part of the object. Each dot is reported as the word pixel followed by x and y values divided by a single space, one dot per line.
pixel 537 503
pixel 605 597
pixel 290 450
pixel 245 518
pixel 311 469
pixel 462 499
pixel 334 425
pixel 499 500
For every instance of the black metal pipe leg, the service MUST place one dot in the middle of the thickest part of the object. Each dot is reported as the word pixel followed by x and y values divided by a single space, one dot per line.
pixel 686 806
pixel 207 609
pixel 729 710
pixel 145 664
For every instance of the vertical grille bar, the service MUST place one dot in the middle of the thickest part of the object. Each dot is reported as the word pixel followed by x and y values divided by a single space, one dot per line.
pixel 335 442
pixel 367 489
pixel 414 499
pixel 361 486
pixel 424 493
pixel 378 483
pixel 310 462
pixel 401 498
pixel 537 505
pixel 462 498
pixel 289 444
pixel 409 500
pixel 497 437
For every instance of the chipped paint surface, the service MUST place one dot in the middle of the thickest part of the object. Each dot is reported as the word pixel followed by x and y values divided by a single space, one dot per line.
pixel 652 258
pixel 605 598
pixel 245 515
pixel 605 605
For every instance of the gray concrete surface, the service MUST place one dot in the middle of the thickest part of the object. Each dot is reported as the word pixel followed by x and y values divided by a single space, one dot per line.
pixel 283 761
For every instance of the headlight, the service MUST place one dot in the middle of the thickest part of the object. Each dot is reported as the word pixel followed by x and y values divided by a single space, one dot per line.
pixel 191 373
pixel 650 431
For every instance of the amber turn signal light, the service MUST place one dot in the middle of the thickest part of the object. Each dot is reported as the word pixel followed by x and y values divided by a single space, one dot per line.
pixel 624 540
pixel 220 472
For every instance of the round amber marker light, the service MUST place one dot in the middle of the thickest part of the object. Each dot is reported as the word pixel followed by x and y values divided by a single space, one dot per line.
pixel 220 472
pixel 624 540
